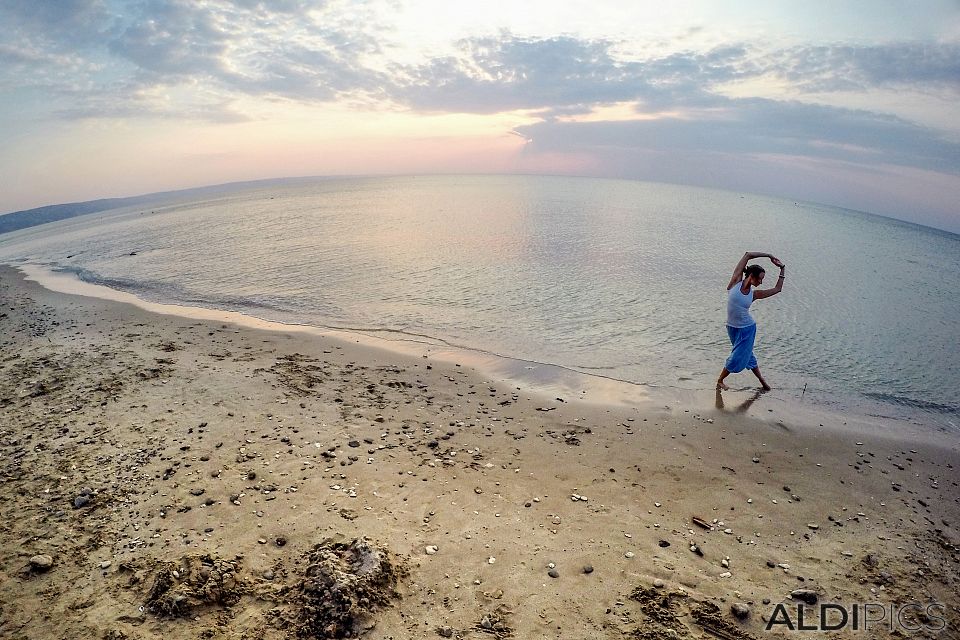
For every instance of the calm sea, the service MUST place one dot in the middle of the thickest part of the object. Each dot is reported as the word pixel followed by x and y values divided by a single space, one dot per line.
pixel 618 278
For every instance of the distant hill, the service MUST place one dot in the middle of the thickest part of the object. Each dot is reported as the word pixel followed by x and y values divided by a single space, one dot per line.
pixel 54 212
pixel 51 213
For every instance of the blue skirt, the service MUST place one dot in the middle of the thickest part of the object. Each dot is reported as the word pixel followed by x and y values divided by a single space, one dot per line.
pixel 742 355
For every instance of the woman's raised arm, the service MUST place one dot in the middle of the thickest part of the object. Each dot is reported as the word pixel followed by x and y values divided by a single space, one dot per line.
pixel 760 294
pixel 738 270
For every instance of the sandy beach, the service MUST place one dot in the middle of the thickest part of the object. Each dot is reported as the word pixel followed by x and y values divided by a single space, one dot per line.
pixel 168 477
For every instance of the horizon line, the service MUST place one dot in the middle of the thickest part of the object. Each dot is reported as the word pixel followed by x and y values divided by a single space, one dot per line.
pixel 347 176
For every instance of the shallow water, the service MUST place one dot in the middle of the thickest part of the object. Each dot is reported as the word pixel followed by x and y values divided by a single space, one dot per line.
pixel 618 278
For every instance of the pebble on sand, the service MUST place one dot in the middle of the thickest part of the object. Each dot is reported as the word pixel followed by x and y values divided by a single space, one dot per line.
pixel 806 595
pixel 41 562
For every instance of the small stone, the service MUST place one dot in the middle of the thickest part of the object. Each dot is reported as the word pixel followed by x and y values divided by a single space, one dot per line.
pixel 445 632
pixel 658 583
pixel 629 554
pixel 588 569
pixel 41 562
pixel 105 564
pixel 813 526
pixel 431 549
pixel 353 443
pixel 280 541
pixel 806 595
pixel 81 501
pixel 663 544
pixel 268 575
pixel 196 492
pixel 740 610
pixel 553 573
pixel 725 574
pixel 251 475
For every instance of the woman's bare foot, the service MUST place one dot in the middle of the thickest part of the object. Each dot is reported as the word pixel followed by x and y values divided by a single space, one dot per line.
pixel 763 383
pixel 722 387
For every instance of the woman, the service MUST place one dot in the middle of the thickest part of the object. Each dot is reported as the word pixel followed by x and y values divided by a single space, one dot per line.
pixel 741 327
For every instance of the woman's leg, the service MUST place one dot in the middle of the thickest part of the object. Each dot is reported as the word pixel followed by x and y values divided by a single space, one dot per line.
pixel 763 383
pixel 720 383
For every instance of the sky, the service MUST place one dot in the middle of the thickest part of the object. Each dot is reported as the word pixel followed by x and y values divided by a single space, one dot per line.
pixel 853 103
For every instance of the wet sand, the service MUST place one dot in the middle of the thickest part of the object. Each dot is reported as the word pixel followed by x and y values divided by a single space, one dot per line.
pixel 171 477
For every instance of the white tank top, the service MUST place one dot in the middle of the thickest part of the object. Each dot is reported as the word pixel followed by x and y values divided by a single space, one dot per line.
pixel 738 307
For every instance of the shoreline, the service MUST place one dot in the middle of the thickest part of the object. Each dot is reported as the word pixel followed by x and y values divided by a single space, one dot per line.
pixel 548 379
pixel 202 445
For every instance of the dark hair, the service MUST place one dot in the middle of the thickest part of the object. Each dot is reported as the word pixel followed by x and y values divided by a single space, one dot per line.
pixel 753 270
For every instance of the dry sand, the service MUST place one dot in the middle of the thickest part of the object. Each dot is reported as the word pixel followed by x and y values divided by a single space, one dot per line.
pixel 167 477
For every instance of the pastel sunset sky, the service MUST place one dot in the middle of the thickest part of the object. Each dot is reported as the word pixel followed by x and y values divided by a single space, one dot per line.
pixel 851 103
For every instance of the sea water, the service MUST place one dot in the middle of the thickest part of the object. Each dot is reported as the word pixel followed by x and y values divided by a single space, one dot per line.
pixel 617 278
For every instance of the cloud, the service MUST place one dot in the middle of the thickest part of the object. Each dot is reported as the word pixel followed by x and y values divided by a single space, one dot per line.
pixel 174 39
pixel 198 60
pixel 858 68
pixel 509 73
pixel 292 49
pixel 566 76
pixel 760 126
pixel 64 24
